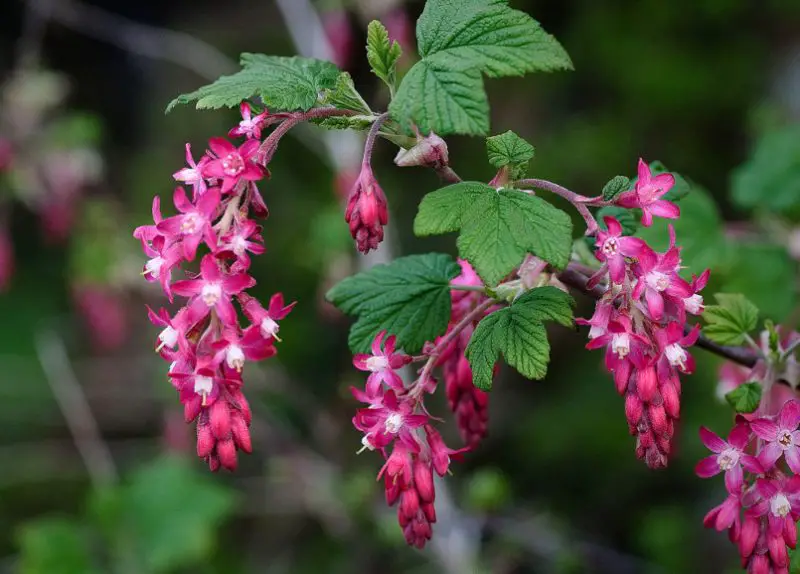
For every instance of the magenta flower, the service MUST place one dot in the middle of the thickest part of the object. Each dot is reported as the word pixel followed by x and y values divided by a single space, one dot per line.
pixel 386 418
pixel 174 331
pixel 382 364
pixel 366 211
pixel 202 385
pixel 657 278
pixel 624 348
pixel 726 515
pixel 233 164
pixel 233 350
pixel 193 225
pixel 780 501
pixel 267 319
pixel 729 457
pixel 647 193
pixel 213 290
pixel 781 436
pixel 598 323
pixel 440 453
pixel 250 126
pixel 613 248
pixel 146 233
pixel 241 240
pixel 193 175
pixel 672 343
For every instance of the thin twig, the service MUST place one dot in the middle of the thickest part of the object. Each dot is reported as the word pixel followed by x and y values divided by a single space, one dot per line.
pixel 75 408
pixel 580 202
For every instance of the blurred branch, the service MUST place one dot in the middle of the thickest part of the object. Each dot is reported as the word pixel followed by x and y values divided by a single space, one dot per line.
pixel 75 408
pixel 149 41
pixel 29 45
pixel 743 356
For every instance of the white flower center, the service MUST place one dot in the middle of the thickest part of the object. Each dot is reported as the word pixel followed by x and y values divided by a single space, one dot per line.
pixel 657 280
pixel 153 266
pixel 232 164
pixel 596 331
pixel 190 224
pixel 621 344
pixel 676 355
pixel 239 245
pixel 269 328
pixel 694 304
pixel 366 442
pixel 203 385
pixel 234 356
pixel 728 458
pixel 376 364
pixel 172 366
pixel 169 337
pixel 779 505
pixel 211 293
pixel 393 423
pixel 611 246
pixel 784 439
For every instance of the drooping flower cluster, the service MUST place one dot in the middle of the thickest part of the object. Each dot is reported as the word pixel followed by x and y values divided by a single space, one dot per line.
pixel 396 423
pixel 641 321
pixel 205 341
pixel 470 404
pixel 761 465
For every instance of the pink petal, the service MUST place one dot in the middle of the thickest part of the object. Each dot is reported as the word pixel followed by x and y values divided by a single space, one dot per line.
pixel 209 268
pixel 632 246
pixel 665 209
pixel 663 182
pixel 655 304
pixel 208 202
pixel 226 312
pixel 769 455
pixel 221 147
pixel 376 343
pixel 187 287
pixel 712 441
pixel 647 219
pixel 740 436
pixel 751 464
pixel 628 199
pixel 734 479
pixel 764 428
pixel 182 202
pixel 643 172
pixel 189 245
pixel 792 456
pixel 707 467
pixel 691 337
pixel 234 284
pixel 789 416
pixel 766 488
pixel 616 268
pixel 360 361
pixel 613 226
pixel 249 148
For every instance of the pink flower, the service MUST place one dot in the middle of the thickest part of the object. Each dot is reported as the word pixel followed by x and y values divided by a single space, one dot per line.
pixel 672 343
pixel 780 501
pixel 233 350
pixel 174 330
pixel 781 436
pixel 213 291
pixel 599 320
pixel 624 348
pixel 647 193
pixel 194 223
pixel 613 248
pixel 726 515
pixel 729 457
pixel 193 175
pixel 366 211
pixel 267 319
pixel 239 241
pixel 382 364
pixel 250 126
pixel 388 417
pixel 233 164
pixel 694 303
pixel 657 278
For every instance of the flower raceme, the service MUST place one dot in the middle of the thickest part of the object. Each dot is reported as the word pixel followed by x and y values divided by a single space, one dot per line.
pixel 640 321
pixel 205 341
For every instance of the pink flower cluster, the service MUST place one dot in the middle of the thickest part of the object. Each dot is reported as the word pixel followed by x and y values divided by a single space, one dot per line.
pixel 470 404
pixel 396 418
pixel 761 464
pixel 641 321
pixel 204 341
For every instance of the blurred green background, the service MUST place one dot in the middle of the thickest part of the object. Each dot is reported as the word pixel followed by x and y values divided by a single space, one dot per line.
pixel 709 87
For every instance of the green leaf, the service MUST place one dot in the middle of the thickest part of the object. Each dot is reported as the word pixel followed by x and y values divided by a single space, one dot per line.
pixel 518 333
pixel 281 83
pixel 765 274
pixel 167 515
pixel 409 298
pixel 53 546
pixel 745 398
pixel 510 149
pixel 770 179
pixel 615 186
pixel 459 40
pixel 497 227
pixel 344 96
pixel 699 230
pixel 382 53
pixel 731 319
pixel 358 123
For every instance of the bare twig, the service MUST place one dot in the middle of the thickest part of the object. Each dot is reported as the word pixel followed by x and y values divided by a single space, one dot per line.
pixel 75 408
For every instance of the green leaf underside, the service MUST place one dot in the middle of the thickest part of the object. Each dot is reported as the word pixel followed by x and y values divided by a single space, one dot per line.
pixel 282 83
pixel 615 186
pixel 382 53
pixel 497 227
pixel 730 320
pixel 459 40
pixel 509 149
pixel 518 333
pixel 745 398
pixel 359 123
pixel 409 298
pixel 344 96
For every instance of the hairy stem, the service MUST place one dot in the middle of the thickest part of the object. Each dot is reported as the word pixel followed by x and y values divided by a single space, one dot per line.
pixel 270 144
pixel 369 145
pixel 580 202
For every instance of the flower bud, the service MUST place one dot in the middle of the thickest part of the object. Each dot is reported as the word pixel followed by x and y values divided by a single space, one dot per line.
pixel 430 151
pixel 366 211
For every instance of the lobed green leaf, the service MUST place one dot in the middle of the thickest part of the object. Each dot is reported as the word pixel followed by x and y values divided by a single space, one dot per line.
pixel 745 398
pixel 509 149
pixel 731 319
pixel 382 53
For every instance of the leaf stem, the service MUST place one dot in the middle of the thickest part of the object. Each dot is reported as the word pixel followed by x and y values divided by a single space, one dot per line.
pixel 477 288
pixel 580 202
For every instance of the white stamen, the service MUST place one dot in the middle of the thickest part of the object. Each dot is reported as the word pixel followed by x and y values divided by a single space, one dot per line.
pixel 269 328
pixel 611 246
pixel 232 164
pixel 694 304
pixel 779 505
pixel 785 439
pixel 153 266
pixel 211 293
pixel 621 344
pixel 239 245
pixel 190 224
pixel 676 355
pixel 376 364
pixel 394 423
pixel 728 458
pixel 367 444
pixel 657 280
pixel 234 356
pixel 168 337
pixel 203 385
